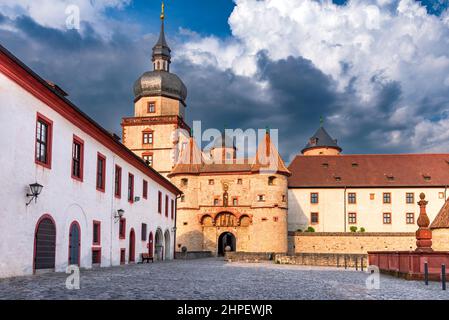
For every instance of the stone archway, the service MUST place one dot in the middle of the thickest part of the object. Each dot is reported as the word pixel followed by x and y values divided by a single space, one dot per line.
pixel 167 244
pixel 159 245
pixel 226 239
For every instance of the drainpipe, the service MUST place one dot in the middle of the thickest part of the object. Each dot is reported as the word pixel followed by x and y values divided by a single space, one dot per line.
pixel 344 206
pixel 112 210
pixel 175 228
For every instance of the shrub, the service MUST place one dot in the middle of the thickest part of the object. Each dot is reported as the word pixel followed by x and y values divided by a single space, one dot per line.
pixel 362 229
pixel 353 229
pixel 310 229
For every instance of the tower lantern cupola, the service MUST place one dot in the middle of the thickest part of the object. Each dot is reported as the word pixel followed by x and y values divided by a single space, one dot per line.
pixel 321 143
pixel 161 52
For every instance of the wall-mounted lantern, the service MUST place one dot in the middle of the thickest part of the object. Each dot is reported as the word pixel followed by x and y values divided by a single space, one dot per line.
pixel 119 214
pixel 36 190
pixel 136 199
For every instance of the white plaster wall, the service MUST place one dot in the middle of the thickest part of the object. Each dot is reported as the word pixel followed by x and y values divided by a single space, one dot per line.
pixel 64 198
pixel 331 208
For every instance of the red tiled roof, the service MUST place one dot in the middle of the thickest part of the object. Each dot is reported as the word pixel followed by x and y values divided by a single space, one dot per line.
pixel 442 218
pixel 370 170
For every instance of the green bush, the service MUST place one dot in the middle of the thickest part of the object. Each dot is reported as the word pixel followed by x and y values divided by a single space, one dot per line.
pixel 353 229
pixel 310 229
pixel 362 229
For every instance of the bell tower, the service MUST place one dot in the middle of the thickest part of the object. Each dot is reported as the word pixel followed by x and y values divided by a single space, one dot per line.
pixel 159 111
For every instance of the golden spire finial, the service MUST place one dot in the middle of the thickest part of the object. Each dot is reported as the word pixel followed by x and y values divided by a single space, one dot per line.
pixel 162 11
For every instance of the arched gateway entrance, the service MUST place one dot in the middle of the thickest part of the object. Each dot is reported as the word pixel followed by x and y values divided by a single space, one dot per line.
pixel 45 244
pixel 224 240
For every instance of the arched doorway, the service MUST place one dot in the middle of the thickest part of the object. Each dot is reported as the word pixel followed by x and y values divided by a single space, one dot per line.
pixel 159 245
pixel 45 244
pixel 226 239
pixel 167 244
pixel 150 244
pixel 132 246
pixel 74 243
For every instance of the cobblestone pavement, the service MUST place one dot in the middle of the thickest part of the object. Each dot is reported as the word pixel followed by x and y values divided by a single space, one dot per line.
pixel 216 279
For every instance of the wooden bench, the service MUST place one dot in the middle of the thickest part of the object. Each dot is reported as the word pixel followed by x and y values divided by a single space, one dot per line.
pixel 147 257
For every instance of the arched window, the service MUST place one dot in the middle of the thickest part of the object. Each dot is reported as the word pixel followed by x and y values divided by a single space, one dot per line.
pixel 271 180
pixel 158 65
pixel 184 182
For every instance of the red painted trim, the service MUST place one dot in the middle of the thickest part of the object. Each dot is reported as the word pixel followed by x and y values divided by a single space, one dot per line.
pixel 45 216
pixel 130 188
pixel 148 106
pixel 355 197
pixel 102 188
pixel 96 223
pixel 81 143
pixel 148 132
pixel 122 232
pixel 352 213
pixel 79 245
pixel 122 256
pixel 132 246
pixel 159 202
pixel 383 198
pixel 383 218
pixel 97 249
pixel 49 123
pixel 145 189
pixel 166 205
pixel 118 192
pixel 35 85
pixel 318 218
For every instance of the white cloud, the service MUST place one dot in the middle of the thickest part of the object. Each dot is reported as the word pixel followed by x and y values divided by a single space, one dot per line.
pixel 51 13
pixel 386 40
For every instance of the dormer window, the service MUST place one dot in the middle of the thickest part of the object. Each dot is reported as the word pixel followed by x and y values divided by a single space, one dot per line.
pixel 325 165
pixel 355 164
pixel 390 177
pixel 427 177
pixel 337 178
pixel 313 141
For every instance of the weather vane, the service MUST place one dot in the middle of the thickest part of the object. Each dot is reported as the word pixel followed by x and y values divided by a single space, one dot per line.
pixel 162 11
pixel 321 121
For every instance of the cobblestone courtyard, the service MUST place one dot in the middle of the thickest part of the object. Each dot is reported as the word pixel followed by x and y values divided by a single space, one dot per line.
pixel 215 279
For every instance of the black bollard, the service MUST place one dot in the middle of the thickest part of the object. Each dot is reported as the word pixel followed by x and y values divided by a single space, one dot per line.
pixel 361 264
pixel 346 264
pixel 426 273
pixel 443 276
pixel 356 264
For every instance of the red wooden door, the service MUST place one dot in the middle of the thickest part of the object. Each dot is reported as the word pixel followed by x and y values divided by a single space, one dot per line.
pixel 132 246
pixel 150 244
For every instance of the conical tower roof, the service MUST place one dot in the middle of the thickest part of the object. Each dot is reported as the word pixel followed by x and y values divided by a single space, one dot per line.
pixel 321 139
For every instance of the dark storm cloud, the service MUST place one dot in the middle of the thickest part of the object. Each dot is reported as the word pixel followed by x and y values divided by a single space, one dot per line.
pixel 99 75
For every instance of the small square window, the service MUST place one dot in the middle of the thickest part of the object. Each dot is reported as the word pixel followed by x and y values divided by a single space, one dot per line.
pixel 96 256
pixel 216 202
pixel 151 107
pixel 387 218
pixel 314 218
pixel 275 219
pixel 122 256
pixel 314 197
pixel 211 182
pixel 410 198
pixel 261 197
pixel 352 198
pixel 371 196
pixel 441 195
pixel 352 218
pixel 387 197
pixel 239 181
pixel 235 202
pixel 410 218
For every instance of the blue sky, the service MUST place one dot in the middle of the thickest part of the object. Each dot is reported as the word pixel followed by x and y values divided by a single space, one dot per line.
pixel 376 70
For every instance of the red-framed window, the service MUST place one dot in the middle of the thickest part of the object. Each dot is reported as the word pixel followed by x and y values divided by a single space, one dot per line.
pixel 352 198
pixel 145 189
pixel 144 232
pixel 101 172
pixel 44 138
pixel 130 187
pixel 96 255
pixel 151 107
pixel 387 218
pixel 166 205
pixel 172 209
pixel 148 158
pixel 122 256
pixel 118 182
pixel 159 202
pixel 147 137
pixel 96 234
pixel 352 217
pixel 122 228
pixel 314 218
pixel 77 158
pixel 410 218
